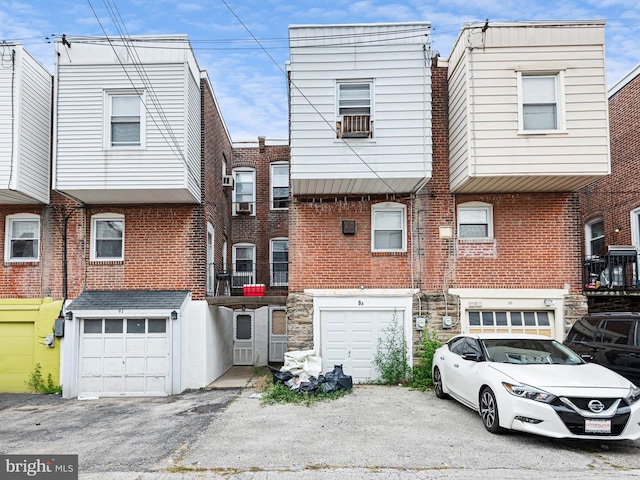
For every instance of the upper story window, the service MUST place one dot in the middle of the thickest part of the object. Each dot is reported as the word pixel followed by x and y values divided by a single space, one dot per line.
pixel 594 232
pixel 107 237
pixel 125 120
pixel 22 238
pixel 475 220
pixel 280 186
pixel 354 101
pixel 279 261
pixel 541 106
pixel 244 191
pixel 389 227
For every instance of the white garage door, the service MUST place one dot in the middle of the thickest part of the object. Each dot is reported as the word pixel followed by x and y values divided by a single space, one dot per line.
pixel 350 338
pixel 124 357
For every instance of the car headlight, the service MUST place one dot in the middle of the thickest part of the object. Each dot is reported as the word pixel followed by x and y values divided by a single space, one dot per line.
pixel 529 392
pixel 634 394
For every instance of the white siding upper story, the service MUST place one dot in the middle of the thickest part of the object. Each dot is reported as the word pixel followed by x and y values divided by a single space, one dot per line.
pixel 491 148
pixel 166 165
pixel 25 127
pixel 395 154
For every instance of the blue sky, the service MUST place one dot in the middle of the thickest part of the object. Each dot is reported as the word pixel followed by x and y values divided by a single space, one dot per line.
pixel 250 87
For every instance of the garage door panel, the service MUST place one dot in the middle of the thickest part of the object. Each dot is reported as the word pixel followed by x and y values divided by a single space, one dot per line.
pixel 111 384
pixel 113 345
pixel 156 346
pixel 91 365
pixel 135 346
pixel 112 366
pixel 135 366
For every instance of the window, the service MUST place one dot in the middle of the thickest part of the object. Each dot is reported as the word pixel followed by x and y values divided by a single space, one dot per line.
pixel 125 121
pixel 22 238
pixel 475 220
pixel 279 186
pixel 107 237
pixel 595 237
pixel 244 191
pixel 279 262
pixel 244 272
pixel 210 264
pixel 354 109
pixel 389 228
pixel 354 98
pixel 540 108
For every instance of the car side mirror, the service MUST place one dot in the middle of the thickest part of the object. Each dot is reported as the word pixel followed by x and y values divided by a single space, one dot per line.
pixel 587 358
pixel 473 357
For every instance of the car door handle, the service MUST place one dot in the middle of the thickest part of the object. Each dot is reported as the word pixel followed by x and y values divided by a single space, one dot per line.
pixel 456 365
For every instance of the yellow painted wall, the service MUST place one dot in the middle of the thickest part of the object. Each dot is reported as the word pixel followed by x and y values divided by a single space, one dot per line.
pixel 24 323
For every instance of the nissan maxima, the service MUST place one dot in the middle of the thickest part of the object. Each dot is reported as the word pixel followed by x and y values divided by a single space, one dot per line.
pixel 535 384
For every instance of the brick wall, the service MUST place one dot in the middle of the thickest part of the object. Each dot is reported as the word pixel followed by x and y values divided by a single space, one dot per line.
pixel 614 196
pixel 266 224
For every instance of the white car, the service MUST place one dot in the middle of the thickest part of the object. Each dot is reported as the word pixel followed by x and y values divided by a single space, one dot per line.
pixel 534 384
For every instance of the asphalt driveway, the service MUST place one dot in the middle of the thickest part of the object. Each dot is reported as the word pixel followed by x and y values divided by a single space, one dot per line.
pixel 375 432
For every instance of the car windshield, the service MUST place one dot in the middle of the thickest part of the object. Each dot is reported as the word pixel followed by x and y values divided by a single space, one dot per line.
pixel 530 351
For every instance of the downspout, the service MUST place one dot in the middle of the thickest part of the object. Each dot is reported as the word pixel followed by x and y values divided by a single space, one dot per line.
pixel 13 116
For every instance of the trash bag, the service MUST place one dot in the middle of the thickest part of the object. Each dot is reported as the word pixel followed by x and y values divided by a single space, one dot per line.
pixel 280 376
pixel 336 380
pixel 312 385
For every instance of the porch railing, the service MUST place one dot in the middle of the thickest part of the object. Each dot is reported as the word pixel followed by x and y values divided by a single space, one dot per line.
pixel 233 279
pixel 615 271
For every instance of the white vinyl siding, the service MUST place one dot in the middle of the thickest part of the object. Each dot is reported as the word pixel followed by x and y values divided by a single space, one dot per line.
pixel 391 58
pixel 489 151
pixel 168 168
pixel 25 129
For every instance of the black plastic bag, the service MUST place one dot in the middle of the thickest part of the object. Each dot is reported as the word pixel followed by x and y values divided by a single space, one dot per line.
pixel 279 376
pixel 312 386
pixel 336 380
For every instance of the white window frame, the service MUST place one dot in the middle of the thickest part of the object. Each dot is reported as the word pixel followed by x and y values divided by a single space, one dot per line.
pixel 635 228
pixel 225 268
pixel 588 236
pixel 387 207
pixel 273 280
pixel 10 220
pixel 249 275
pixel 487 208
pixel 278 184
pixel 235 196
pixel 339 83
pixel 211 268
pixel 559 92
pixel 105 217
pixel 109 95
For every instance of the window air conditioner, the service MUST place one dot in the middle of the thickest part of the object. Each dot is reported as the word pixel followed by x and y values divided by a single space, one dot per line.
pixel 227 180
pixel 243 207
pixel 355 126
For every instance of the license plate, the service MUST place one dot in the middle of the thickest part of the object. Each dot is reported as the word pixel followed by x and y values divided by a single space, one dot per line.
pixel 597 426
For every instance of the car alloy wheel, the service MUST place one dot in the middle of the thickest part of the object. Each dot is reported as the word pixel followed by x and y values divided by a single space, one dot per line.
pixel 489 410
pixel 437 384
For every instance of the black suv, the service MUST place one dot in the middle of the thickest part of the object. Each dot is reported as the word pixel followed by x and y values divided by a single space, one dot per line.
pixel 612 339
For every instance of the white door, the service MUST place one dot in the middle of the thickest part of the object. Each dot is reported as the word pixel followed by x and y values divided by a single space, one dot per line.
pixel 277 335
pixel 350 338
pixel 124 357
pixel 243 335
